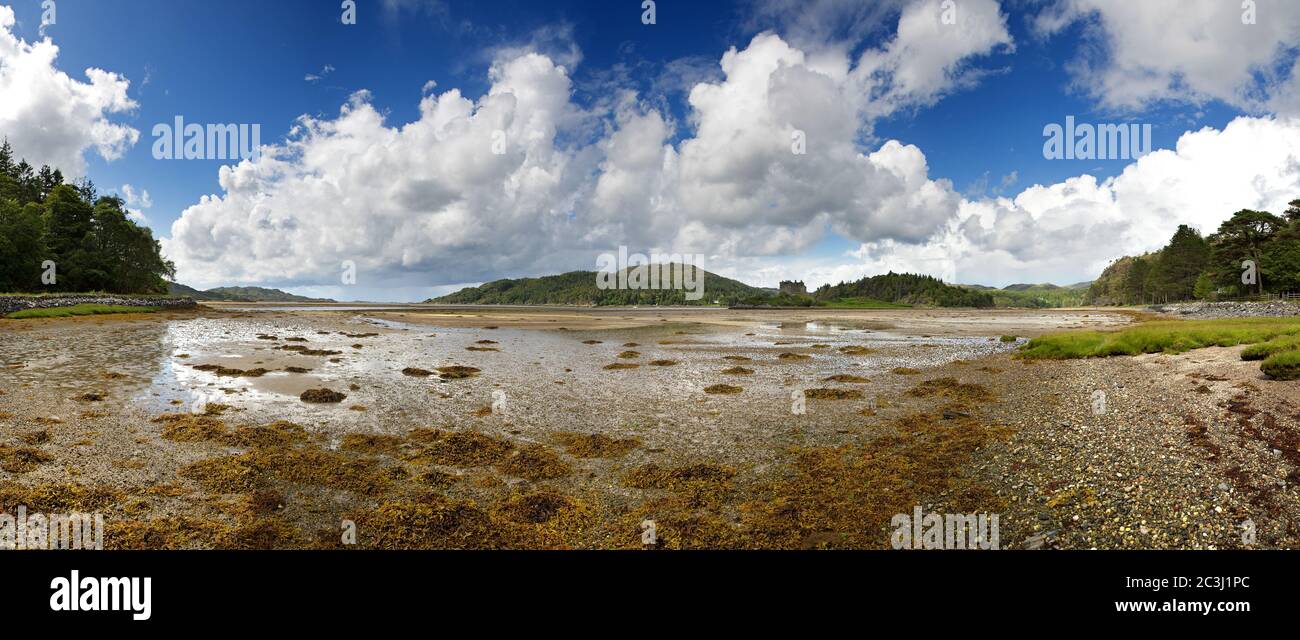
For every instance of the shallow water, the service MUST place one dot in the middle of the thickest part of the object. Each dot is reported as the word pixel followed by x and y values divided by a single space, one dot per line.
pixel 538 382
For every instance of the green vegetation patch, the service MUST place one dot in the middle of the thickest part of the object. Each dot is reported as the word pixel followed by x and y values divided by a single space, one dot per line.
pixel 1282 366
pixel 1173 336
pixel 79 310
pixel 864 303
pixel 1265 349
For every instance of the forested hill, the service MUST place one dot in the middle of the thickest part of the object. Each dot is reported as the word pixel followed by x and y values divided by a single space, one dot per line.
pixel 58 237
pixel 905 288
pixel 240 294
pixel 1251 253
pixel 579 288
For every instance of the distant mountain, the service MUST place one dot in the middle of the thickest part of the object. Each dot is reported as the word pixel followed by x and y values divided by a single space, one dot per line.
pixel 177 289
pixel 239 294
pixel 1036 295
pixel 1032 287
pixel 579 288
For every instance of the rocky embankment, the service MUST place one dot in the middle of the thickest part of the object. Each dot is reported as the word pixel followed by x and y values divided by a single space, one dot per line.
pixel 10 304
pixel 1272 308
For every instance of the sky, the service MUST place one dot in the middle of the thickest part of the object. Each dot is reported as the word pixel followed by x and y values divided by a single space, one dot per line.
pixel 428 145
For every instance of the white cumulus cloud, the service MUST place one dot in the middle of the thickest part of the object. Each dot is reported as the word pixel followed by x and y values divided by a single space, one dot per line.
pixel 1070 230
pixel 770 163
pixel 51 118
pixel 1184 50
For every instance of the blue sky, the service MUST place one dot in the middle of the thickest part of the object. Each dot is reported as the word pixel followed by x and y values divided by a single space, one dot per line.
pixel 245 61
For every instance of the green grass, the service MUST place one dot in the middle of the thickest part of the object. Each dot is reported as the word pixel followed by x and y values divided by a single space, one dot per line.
pixel 1284 365
pixel 864 303
pixel 1265 349
pixel 1167 336
pixel 79 310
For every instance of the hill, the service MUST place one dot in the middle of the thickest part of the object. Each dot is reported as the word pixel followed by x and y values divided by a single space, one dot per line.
pixel 905 288
pixel 1039 296
pixel 579 288
pixel 239 294
pixel 1032 287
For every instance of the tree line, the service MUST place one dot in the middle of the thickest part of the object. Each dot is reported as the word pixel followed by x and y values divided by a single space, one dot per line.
pixel 1252 253
pixel 61 237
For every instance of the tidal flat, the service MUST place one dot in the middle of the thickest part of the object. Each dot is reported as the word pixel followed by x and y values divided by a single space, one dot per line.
pixel 273 426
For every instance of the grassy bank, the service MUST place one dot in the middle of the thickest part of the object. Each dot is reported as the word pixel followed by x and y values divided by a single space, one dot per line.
pixel 79 310
pixel 864 303
pixel 1166 336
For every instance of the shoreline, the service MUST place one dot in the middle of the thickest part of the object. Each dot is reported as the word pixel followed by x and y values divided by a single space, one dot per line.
pixel 954 433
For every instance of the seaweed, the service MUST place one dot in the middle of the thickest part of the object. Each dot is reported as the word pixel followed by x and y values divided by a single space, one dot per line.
pixel 595 445
pixel 535 462
pixel 322 396
pixel 846 377
pixel 724 389
pixel 833 394
pixel 458 448
pixel 457 372
pixel 22 459
pixel 950 388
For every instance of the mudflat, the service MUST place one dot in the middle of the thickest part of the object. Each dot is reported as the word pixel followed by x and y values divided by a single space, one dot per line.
pixel 285 426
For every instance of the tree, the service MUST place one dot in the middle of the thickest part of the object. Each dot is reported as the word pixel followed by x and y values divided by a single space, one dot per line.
pixel 1135 282
pixel 94 244
pixel 6 158
pixel 46 180
pixel 1205 288
pixel 1242 237
pixel 70 227
pixel 21 246
pixel 1292 213
pixel 1178 265
pixel 1280 262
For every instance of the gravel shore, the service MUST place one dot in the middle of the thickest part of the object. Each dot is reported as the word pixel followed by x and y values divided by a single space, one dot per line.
pixel 1194 451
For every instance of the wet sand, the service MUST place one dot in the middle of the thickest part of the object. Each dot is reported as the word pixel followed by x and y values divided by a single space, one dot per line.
pixel 744 429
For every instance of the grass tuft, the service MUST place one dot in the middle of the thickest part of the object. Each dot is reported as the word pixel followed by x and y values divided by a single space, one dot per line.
pixel 1282 366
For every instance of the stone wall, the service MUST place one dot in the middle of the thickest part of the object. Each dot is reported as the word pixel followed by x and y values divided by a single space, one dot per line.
pixel 1272 308
pixel 10 304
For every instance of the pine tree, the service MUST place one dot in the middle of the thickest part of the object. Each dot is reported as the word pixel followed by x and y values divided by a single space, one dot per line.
pixel 1180 263
pixel 1244 236
pixel 6 159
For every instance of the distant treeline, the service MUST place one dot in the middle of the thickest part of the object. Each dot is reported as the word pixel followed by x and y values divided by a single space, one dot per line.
pixel 897 288
pixel 1192 267
pixel 91 242
pixel 579 288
